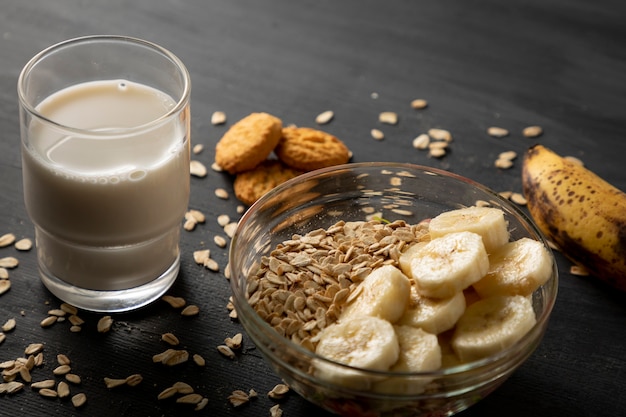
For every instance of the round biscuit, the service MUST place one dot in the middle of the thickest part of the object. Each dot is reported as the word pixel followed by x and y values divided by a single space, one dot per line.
pixel 248 142
pixel 308 149
pixel 249 186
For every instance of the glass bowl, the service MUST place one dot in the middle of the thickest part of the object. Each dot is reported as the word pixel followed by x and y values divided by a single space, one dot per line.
pixel 353 192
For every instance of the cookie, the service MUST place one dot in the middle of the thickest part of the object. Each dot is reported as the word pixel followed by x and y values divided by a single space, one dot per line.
pixel 248 142
pixel 308 149
pixel 249 186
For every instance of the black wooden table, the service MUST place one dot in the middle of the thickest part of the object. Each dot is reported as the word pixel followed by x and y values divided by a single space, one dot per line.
pixel 553 63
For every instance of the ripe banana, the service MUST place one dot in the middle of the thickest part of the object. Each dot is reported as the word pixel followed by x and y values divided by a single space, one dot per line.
pixel 517 268
pixel 449 264
pixel 492 324
pixel 384 293
pixel 434 315
pixel 581 213
pixel 363 342
pixel 488 222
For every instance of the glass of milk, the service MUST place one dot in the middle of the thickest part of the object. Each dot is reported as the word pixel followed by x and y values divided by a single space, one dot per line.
pixel 105 162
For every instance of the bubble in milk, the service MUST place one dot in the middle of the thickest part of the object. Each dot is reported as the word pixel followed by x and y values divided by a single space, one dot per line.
pixel 137 174
pixel 122 86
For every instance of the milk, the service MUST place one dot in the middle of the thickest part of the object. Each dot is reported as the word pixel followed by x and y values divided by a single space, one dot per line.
pixel 107 206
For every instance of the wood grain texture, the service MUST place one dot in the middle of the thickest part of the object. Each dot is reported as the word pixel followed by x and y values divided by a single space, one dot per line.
pixel 554 63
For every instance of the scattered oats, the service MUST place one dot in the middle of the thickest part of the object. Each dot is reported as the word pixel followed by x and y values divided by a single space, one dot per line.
pixel 69 309
pixel 176 302
pixel 197 169
pixel 234 342
pixel 324 117
pixel 189 225
pixel 25 374
pixel 574 160
pixel 223 219
pixel 276 411
pixel 440 144
pixel 24 244
pixel 203 403
pixel 503 163
pixel 201 256
pixel 9 262
pixel 4 274
pixel 7 364
pixel 402 212
pixel 63 389
pixel 437 152
pixel 497 132
pixel 440 134
pixel 2 337
pixel 38 359
pixel 198 360
pixel 377 134
pixel 506 194
pixel 62 370
pixel 75 320
pixel 73 378
pixel 57 312
pixel 63 359
pixel 190 310
pixel 197 148
pixel 11 387
pixel 33 349
pixel 79 400
pixel 578 270
pixel 279 391
pixel 252 393
pixel 532 131
pixel 168 392
pixel 388 117
pixel 48 393
pixel 182 387
pixel 114 382
pixel 104 324
pixel 221 193
pixel 230 229
pixel 170 339
pixel 75 329
pixel 175 357
pixel 9 325
pixel 134 380
pixel 482 203
pixel 419 104
pixel 421 141
pixel 518 199
pixel 6 240
pixel 212 265
pixel 47 383
pixel 510 155
pixel 227 271
pixel 219 241
pixel 189 399
pixel 238 397
pixel 233 314
pixel 48 321
pixel 196 215
pixel 215 167
pixel 226 351
pixel 218 118
pixel 241 209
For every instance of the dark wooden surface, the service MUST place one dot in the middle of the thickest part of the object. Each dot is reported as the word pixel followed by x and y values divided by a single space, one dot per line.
pixel 554 63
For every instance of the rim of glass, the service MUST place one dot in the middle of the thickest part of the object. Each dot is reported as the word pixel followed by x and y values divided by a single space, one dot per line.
pixel 551 285
pixel 178 107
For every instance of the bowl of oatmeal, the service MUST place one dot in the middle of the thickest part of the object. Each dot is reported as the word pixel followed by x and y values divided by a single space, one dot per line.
pixel 389 289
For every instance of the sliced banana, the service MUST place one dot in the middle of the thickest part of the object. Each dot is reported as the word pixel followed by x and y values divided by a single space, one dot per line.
pixel 449 264
pixel 384 293
pixel 405 258
pixel 434 315
pixel 488 222
pixel 419 352
pixel 517 268
pixel 492 324
pixel 364 342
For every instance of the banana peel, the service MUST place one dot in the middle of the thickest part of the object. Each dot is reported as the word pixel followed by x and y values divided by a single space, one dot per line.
pixel 584 215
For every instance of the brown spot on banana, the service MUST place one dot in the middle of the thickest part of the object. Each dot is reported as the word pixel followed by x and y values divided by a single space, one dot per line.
pixel 581 213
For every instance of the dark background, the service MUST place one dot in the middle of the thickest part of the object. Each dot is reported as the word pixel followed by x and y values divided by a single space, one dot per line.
pixel 554 63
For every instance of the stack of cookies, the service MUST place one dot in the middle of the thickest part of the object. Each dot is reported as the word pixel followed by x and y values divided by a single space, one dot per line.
pixel 246 151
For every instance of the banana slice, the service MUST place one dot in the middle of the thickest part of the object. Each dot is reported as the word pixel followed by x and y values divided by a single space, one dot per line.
pixel 491 325
pixel 405 258
pixel 488 222
pixel 517 268
pixel 434 315
pixel 384 293
pixel 419 352
pixel 449 264
pixel 364 342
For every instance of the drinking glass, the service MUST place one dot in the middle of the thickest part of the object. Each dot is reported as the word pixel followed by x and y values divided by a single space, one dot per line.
pixel 105 163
